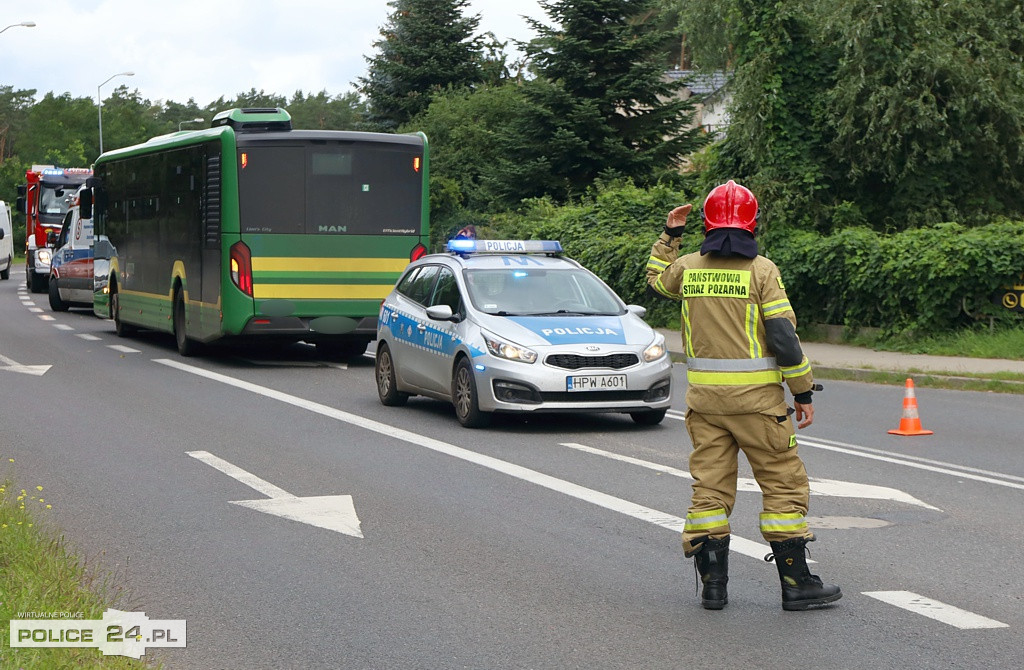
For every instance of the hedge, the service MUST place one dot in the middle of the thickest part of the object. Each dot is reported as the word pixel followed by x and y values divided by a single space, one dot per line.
pixel 927 279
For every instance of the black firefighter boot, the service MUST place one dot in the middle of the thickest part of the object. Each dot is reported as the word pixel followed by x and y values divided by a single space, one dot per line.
pixel 800 589
pixel 712 562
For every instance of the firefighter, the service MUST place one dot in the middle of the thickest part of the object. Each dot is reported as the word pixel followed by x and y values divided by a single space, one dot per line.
pixel 741 344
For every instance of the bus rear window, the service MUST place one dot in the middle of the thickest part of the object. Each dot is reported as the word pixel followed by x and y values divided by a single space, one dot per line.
pixel 330 188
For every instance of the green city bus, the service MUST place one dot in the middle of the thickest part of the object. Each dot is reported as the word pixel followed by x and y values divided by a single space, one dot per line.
pixel 252 230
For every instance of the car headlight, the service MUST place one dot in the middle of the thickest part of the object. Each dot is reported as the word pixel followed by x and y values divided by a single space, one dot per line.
pixel 43 255
pixel 504 349
pixel 655 350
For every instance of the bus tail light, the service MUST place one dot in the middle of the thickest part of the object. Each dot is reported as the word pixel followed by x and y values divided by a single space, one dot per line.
pixel 418 252
pixel 241 267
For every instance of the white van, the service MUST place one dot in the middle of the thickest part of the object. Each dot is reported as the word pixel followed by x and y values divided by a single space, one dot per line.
pixel 6 241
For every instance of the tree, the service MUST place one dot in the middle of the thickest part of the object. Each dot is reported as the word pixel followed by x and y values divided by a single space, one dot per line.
pixel 462 128
pixel 14 109
pixel 54 124
pixel 777 141
pixel 928 108
pixel 129 119
pixel 600 103
pixel 853 111
pixel 426 47
pixel 324 112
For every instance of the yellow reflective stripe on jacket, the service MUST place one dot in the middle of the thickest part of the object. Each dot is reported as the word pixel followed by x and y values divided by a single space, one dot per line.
pixel 686 327
pixel 796 370
pixel 713 378
pixel 706 520
pixel 750 326
pixel 660 288
pixel 783 523
pixel 775 307
pixel 656 264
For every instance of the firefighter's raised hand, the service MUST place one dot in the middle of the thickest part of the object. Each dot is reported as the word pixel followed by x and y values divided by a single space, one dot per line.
pixel 677 217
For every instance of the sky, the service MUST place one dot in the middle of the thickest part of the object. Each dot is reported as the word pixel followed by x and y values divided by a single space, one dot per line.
pixel 203 49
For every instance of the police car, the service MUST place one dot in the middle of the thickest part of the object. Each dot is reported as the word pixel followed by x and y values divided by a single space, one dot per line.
pixel 514 326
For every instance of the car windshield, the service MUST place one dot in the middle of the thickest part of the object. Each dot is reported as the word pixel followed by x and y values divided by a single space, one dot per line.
pixel 535 292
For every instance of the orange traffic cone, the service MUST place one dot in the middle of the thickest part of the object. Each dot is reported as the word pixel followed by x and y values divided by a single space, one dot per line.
pixel 910 423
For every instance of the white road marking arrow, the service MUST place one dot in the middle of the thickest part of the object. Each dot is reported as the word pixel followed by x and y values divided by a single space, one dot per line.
pixel 823 487
pixel 14 366
pixel 336 513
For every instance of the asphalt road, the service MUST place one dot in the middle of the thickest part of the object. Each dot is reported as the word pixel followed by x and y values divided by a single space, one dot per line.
pixel 546 542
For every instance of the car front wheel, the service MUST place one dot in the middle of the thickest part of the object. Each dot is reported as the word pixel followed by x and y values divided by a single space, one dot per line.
pixel 465 397
pixel 652 418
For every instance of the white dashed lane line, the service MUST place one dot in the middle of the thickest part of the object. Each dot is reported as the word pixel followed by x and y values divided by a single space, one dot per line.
pixel 123 349
pixel 933 609
pixel 87 336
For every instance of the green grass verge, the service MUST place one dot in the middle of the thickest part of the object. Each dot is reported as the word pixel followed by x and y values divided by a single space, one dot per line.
pixel 1004 340
pixel 38 573
pixel 996 383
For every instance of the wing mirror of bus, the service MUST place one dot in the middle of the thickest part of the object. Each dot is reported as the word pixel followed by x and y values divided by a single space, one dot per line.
pixel 441 313
pixel 19 204
pixel 85 204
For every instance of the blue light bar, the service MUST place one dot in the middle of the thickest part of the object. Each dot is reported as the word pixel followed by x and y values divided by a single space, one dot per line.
pixel 505 246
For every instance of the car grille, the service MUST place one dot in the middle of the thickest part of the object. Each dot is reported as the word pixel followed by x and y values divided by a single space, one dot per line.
pixel 574 362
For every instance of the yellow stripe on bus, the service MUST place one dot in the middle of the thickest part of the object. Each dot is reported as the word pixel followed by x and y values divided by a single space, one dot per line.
pixel 286 264
pixel 322 291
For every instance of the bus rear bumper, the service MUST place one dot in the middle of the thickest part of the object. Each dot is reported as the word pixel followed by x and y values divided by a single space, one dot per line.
pixel 311 328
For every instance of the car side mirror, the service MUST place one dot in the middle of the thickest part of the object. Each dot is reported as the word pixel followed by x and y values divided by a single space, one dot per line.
pixel 441 313
pixel 51 239
pixel 639 310
pixel 1 233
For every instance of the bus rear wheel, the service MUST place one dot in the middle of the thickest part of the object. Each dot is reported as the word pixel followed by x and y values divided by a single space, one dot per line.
pixel 186 345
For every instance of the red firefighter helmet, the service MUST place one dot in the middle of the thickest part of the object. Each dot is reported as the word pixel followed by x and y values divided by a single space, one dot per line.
pixel 730 206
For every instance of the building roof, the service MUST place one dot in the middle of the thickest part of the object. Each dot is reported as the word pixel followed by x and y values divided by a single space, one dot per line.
pixel 700 83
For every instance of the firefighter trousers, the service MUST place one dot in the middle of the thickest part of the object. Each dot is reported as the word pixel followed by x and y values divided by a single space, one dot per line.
pixel 768 440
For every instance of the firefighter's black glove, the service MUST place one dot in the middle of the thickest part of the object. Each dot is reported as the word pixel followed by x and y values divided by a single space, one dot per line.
pixel 804 398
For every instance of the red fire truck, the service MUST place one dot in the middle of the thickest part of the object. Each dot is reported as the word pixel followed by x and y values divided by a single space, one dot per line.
pixel 44 199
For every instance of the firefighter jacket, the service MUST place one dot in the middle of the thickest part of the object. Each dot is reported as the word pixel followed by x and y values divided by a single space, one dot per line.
pixel 739 329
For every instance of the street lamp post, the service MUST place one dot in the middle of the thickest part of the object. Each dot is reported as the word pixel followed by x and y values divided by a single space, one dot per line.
pixel 23 24
pixel 198 119
pixel 99 100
